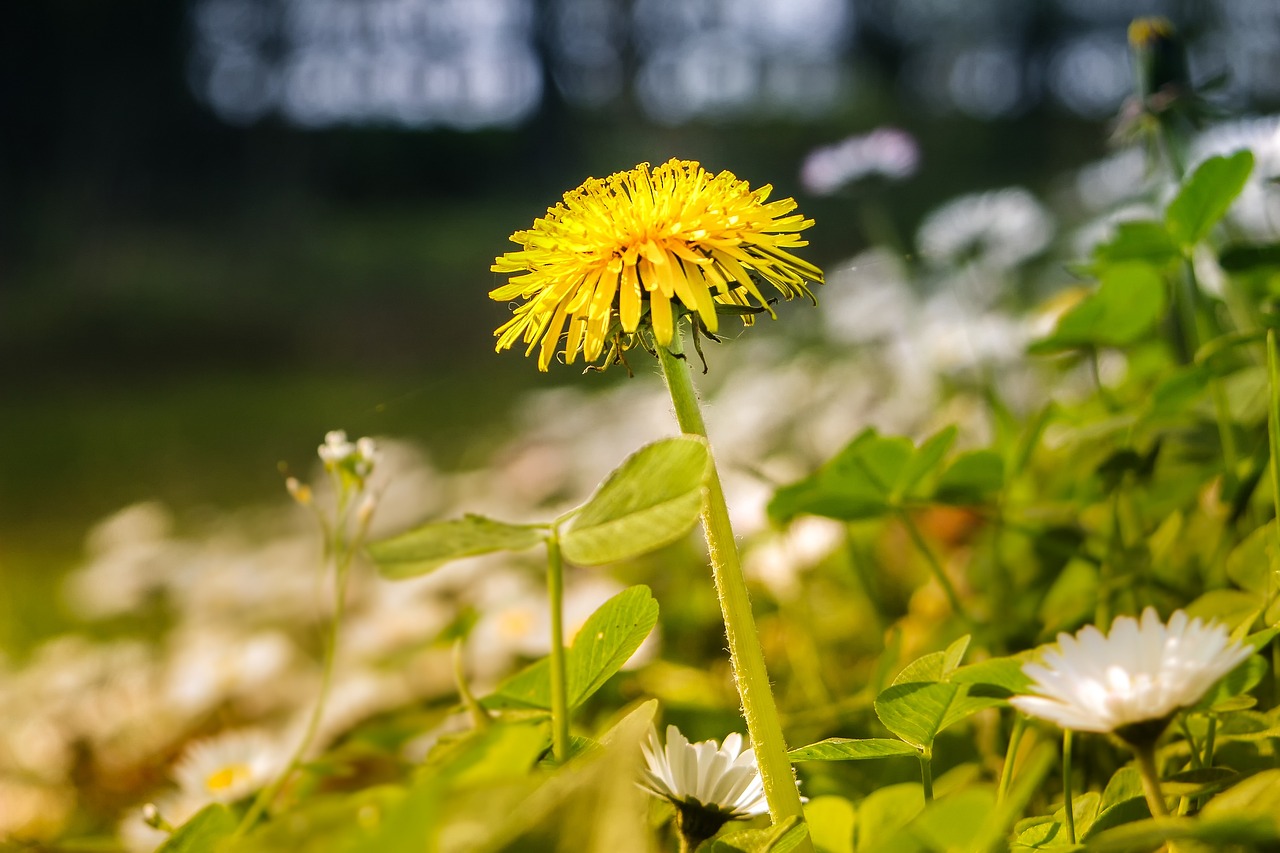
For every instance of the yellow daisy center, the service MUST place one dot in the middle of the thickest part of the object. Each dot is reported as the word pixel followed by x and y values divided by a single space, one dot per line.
pixel 225 778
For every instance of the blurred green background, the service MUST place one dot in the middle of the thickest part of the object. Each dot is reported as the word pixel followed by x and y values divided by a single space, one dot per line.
pixel 227 226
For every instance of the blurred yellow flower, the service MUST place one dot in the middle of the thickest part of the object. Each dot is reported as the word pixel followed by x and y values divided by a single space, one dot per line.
pixel 638 241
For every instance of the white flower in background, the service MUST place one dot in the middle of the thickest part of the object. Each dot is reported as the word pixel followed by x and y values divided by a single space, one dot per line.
pixel 1257 209
pixel 886 151
pixel 1122 177
pixel 709 784
pixel 997 230
pixel 1142 672
pixel 339 453
pixel 229 766
pixel 779 559
pixel 868 298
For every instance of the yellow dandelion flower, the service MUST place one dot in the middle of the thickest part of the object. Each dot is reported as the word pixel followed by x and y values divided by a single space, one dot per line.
pixel 641 248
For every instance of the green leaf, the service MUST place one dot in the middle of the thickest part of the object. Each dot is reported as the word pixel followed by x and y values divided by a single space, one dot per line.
pixel 851 749
pixel 1004 673
pixel 973 478
pixel 917 712
pixel 202 833
pixel 604 643
pixel 882 812
pixel 929 667
pixel 1205 197
pixel 1129 300
pixel 867 479
pixel 1249 563
pixel 431 545
pixel 926 458
pixel 944 821
pixel 1198 782
pixel 779 838
pixel 1246 258
pixel 1240 680
pixel 1138 241
pixel 1256 796
pixel 651 500
pixel 830 820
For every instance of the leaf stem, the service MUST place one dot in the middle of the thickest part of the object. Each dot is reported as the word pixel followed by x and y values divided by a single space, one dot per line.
pixel 1146 759
pixel 1006 772
pixel 1066 786
pixel 926 774
pixel 939 573
pixel 745 653
pixel 559 685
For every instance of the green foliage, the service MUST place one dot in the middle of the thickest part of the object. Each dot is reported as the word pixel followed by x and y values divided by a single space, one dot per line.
pixel 1130 299
pixel 203 833
pixel 651 500
pixel 876 475
pixel 434 544
pixel 1205 197
pixel 604 643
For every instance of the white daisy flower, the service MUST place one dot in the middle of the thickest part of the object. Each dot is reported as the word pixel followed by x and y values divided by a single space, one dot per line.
pixel 1141 673
pixel 230 766
pixel 996 230
pixel 709 784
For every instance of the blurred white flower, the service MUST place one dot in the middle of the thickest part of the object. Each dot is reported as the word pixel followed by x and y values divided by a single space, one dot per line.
pixel 779 559
pixel 996 230
pixel 1256 211
pixel 1141 672
pixel 229 766
pixel 868 298
pixel 886 151
pixel 1122 177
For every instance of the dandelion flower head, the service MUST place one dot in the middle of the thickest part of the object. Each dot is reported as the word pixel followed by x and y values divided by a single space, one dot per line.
pixel 641 248
pixel 1142 672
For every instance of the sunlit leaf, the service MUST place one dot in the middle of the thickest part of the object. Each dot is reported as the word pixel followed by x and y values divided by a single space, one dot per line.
pixel 781 837
pixel 851 749
pixel 973 478
pixel 917 712
pixel 1205 197
pixel 203 832
pixel 604 643
pixel 649 501
pixel 431 545
pixel 1129 300
pixel 830 822
pixel 1138 241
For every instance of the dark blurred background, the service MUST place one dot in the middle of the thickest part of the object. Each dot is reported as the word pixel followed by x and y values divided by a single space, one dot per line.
pixel 229 225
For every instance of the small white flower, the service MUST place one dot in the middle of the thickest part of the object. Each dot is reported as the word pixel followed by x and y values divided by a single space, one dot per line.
pixel 719 779
pixel 229 766
pixel 997 230
pixel 1142 672
pixel 884 151
pixel 336 449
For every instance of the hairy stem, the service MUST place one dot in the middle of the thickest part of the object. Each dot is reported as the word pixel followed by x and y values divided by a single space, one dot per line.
pixel 745 653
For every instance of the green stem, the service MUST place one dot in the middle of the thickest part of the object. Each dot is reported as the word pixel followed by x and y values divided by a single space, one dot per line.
pixel 939 573
pixel 1006 772
pixel 559 685
pixel 1273 436
pixel 1146 756
pixel 1066 786
pixel 745 654
pixel 926 774
pixel 267 795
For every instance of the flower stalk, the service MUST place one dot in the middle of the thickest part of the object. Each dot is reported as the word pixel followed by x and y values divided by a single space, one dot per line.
pixel 745 653
pixel 559 684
